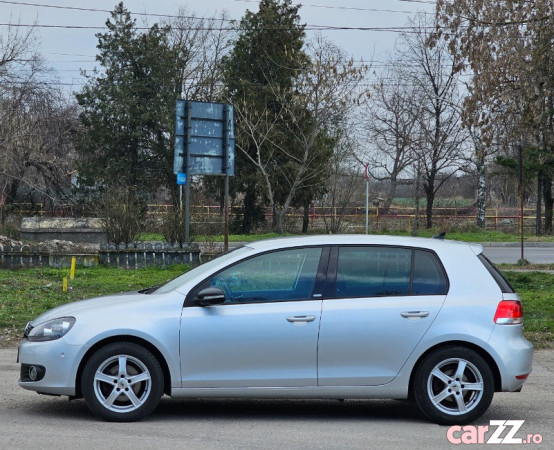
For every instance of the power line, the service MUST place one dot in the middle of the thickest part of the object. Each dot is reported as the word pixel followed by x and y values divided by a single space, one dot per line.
pixel 348 8
pixel 70 54
pixel 405 29
pixel 76 8
pixel 80 83
pixel 69 27
pixel 358 62
pixel 233 23
pixel 429 2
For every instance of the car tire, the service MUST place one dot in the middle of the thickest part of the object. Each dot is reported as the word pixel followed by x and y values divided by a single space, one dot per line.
pixel 122 382
pixel 453 386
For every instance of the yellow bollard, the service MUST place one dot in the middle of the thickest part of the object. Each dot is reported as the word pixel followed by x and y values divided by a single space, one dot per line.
pixel 72 273
pixel 64 284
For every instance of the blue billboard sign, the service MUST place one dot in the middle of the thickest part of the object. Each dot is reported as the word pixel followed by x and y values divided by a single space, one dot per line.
pixel 204 138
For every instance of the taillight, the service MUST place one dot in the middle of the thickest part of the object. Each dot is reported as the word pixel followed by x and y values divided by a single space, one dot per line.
pixel 509 312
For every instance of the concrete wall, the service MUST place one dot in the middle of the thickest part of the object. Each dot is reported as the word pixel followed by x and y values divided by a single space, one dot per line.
pixel 26 257
pixel 86 230
pixel 147 255
pixel 127 258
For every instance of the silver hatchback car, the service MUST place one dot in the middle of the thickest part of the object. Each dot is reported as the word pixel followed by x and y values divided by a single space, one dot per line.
pixel 341 316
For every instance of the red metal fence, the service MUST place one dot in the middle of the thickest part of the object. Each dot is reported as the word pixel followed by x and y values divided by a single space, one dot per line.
pixel 353 218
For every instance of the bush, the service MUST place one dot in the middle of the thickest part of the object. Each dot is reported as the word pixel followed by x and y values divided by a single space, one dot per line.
pixel 123 213
pixel 173 227
pixel 10 231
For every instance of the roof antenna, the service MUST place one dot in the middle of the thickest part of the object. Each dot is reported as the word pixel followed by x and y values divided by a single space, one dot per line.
pixel 440 236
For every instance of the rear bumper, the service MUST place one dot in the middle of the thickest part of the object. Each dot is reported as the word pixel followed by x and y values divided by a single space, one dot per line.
pixel 514 356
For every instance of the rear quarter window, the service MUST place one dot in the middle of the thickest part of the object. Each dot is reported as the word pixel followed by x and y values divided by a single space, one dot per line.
pixel 502 282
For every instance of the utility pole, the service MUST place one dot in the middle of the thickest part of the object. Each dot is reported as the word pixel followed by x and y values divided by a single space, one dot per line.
pixel 520 158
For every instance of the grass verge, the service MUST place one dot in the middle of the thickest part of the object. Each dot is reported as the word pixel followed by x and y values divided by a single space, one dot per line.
pixel 467 236
pixel 536 290
pixel 26 293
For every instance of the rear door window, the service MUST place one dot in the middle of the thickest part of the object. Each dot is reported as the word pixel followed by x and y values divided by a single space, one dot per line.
pixel 377 271
pixel 373 271
pixel 429 277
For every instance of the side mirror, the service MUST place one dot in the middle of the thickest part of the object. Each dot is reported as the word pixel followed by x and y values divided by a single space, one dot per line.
pixel 210 296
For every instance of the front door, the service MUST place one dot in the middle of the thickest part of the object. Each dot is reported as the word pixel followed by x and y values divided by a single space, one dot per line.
pixel 265 334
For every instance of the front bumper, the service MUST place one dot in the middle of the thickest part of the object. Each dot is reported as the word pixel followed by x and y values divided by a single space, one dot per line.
pixel 59 361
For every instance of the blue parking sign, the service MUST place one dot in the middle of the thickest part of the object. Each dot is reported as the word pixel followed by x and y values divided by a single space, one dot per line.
pixel 181 178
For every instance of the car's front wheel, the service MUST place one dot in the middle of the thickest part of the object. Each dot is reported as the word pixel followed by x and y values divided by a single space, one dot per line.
pixel 122 382
pixel 453 386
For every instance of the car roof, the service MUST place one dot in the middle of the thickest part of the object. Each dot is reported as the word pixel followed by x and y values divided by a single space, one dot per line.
pixel 360 239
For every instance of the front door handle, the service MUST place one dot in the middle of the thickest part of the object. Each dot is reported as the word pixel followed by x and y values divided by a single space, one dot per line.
pixel 300 319
pixel 414 314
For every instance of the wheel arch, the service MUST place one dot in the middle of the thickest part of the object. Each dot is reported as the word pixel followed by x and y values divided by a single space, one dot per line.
pixel 479 350
pixel 124 338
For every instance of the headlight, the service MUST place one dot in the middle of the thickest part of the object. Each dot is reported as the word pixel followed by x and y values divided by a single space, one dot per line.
pixel 51 330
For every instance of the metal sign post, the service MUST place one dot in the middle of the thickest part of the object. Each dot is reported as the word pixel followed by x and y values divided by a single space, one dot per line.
pixel 204 145
pixel 227 131
pixel 520 164
pixel 188 132
pixel 181 180
pixel 366 174
pixel 226 207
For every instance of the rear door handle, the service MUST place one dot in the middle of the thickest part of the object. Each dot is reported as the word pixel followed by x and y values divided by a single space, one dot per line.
pixel 414 314
pixel 300 319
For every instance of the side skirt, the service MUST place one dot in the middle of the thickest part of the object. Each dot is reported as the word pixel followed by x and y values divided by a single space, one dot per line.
pixel 324 392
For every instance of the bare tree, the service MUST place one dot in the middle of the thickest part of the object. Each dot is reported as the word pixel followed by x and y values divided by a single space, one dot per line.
pixel 477 162
pixel 18 63
pixel 201 43
pixel 391 125
pixel 37 124
pixel 344 179
pixel 37 144
pixel 326 91
pixel 434 74
pixel 508 46
pixel 17 49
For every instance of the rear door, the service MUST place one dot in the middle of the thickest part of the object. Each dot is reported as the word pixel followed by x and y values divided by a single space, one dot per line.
pixel 378 304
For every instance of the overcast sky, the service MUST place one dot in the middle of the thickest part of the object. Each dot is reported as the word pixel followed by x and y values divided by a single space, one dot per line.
pixel 69 49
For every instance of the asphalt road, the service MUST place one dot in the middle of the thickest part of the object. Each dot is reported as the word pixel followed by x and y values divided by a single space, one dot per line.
pixel 498 253
pixel 29 421
pixel 508 253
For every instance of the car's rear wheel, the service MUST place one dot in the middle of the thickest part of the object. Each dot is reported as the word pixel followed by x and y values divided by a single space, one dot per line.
pixel 453 385
pixel 122 382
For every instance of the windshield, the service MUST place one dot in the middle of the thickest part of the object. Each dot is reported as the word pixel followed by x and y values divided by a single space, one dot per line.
pixel 203 268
